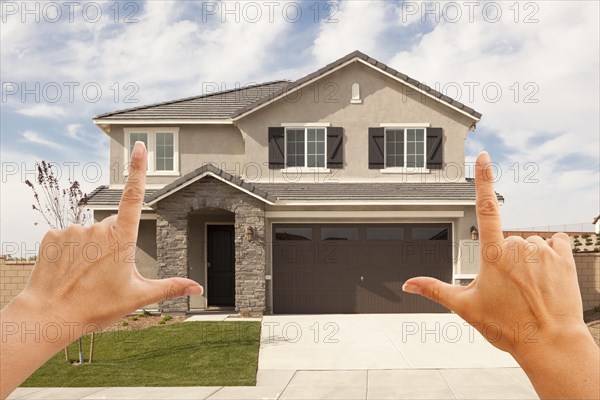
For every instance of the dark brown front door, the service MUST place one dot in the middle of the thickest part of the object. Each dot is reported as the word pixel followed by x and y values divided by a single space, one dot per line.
pixel 221 265
pixel 357 268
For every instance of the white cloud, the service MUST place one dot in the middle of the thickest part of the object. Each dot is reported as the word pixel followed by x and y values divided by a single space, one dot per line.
pixel 43 111
pixel 358 27
pixel 36 138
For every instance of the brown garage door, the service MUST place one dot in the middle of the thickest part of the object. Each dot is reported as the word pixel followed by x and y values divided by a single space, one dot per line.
pixel 357 268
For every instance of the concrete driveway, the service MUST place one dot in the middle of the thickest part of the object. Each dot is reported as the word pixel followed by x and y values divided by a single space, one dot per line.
pixel 375 342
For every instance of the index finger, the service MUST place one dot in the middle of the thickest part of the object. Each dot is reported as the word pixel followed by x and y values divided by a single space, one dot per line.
pixel 130 207
pixel 486 203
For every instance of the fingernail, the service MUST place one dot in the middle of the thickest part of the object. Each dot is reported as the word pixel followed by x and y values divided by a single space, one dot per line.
pixel 193 290
pixel 138 149
pixel 411 288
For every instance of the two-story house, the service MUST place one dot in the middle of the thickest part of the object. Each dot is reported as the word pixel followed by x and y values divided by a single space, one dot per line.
pixel 320 195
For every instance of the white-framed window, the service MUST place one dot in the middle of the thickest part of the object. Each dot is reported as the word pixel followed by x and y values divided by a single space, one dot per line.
pixel 162 145
pixel 405 148
pixel 306 147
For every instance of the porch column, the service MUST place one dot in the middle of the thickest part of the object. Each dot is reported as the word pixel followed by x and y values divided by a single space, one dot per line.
pixel 250 260
pixel 171 251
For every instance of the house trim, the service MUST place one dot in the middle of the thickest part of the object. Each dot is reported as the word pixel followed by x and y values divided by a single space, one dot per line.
pixel 365 214
pixel 99 121
pixel 306 125
pixel 111 207
pixel 375 202
pixel 404 125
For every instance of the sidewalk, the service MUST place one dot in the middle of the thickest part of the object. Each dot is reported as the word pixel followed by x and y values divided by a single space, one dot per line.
pixel 481 383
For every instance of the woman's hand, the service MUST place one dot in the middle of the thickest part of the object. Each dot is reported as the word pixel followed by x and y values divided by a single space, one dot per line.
pixel 84 280
pixel 526 298
pixel 88 275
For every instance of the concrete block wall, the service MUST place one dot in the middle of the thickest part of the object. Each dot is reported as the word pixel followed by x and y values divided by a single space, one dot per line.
pixel 588 274
pixel 13 277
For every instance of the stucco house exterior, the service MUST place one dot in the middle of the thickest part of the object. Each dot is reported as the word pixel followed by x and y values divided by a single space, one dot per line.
pixel 318 195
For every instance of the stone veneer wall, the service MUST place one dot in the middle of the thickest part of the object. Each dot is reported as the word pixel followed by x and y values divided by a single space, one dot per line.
pixel 172 240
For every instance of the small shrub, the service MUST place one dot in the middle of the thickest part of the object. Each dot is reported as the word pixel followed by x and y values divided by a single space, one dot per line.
pixel 146 313
pixel 162 322
pixel 124 323
pixel 577 242
pixel 585 236
pixel 597 243
pixel 167 318
pixel 575 250
pixel 576 236
pixel 134 318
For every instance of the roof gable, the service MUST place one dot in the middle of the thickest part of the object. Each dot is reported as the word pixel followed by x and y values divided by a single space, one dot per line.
pixel 208 170
pixel 371 62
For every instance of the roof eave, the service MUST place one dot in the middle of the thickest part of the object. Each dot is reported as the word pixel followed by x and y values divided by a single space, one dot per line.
pixel 172 121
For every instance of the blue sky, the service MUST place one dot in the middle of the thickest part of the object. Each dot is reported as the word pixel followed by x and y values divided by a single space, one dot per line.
pixel 532 69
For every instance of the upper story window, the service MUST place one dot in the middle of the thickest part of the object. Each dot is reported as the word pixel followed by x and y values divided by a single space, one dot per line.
pixel 162 145
pixel 305 147
pixel 405 148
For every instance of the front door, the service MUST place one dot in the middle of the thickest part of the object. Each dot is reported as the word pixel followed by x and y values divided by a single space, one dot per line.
pixel 220 254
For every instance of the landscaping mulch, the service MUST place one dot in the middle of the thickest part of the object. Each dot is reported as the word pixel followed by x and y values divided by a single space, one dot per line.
pixel 141 321
pixel 592 320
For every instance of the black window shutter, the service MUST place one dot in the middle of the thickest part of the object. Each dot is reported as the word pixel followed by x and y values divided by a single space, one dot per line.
pixel 435 148
pixel 376 146
pixel 335 147
pixel 276 147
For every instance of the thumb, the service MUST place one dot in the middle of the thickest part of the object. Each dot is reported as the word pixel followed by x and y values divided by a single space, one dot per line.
pixel 160 289
pixel 449 296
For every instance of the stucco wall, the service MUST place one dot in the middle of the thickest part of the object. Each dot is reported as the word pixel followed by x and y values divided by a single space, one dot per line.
pixel 385 100
pixel 145 255
pixel 221 145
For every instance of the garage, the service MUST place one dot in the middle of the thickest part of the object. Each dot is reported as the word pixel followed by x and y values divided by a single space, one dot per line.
pixel 357 268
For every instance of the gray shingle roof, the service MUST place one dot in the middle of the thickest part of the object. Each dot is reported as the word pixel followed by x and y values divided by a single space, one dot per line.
pixel 219 105
pixel 379 65
pixel 371 191
pixel 103 196
pixel 271 192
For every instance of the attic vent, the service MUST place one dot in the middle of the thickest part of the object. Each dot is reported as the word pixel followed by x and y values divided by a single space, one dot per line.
pixel 356 94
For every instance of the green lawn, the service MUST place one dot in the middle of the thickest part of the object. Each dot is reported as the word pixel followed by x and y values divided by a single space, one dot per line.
pixel 184 354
